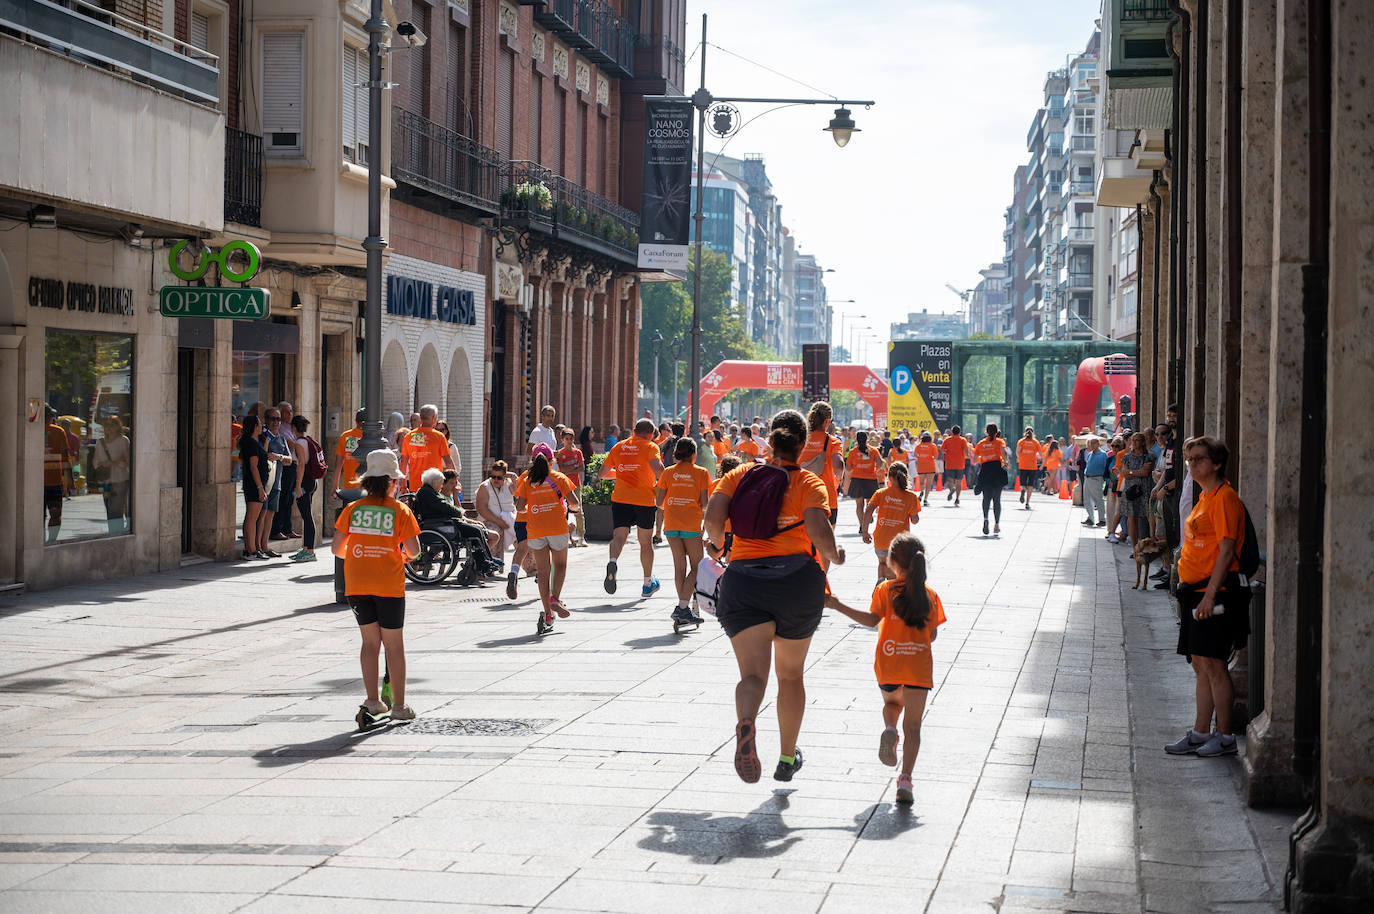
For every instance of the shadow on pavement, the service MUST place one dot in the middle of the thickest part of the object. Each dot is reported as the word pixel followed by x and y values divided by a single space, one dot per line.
pixel 511 642
pixel 668 640
pixel 328 747
pixel 609 608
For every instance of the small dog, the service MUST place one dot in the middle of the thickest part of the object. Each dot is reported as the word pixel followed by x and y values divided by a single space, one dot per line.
pixel 1146 551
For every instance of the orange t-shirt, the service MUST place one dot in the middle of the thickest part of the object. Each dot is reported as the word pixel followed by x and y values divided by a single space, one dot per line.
pixel 1027 454
pixel 988 450
pixel 632 460
pixel 721 447
pixel 818 443
pixel 897 454
pixel 902 655
pixel 545 514
pixel 683 485
pixel 864 465
pixel 747 447
pixel 926 452
pixel 348 443
pixel 423 449
pixel 1216 516
pixel 956 452
pixel 57 456
pixel 374 529
pixel 804 490
pixel 1054 460
pixel 895 510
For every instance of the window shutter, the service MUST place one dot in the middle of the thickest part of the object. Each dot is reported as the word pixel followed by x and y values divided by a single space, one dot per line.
pixel 418 90
pixel 283 91
pixel 536 116
pixel 349 96
pixel 200 31
pixel 457 81
pixel 580 146
pixel 560 129
pixel 602 148
pixel 362 113
pixel 505 103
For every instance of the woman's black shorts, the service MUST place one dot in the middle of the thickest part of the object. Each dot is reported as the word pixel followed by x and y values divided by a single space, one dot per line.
pixel 862 489
pixel 1217 636
pixel 626 515
pixel 388 612
pixel 781 590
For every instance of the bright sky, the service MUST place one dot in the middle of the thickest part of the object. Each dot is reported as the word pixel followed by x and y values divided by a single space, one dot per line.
pixel 917 198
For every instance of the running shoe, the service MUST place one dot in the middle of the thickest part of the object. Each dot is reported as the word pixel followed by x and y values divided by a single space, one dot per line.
pixel 248 556
pixel 746 754
pixel 658 541
pixel 1189 744
pixel 649 589
pixel 1217 745
pixel 303 556
pixel 1088 522
pixel 985 526
pixel 785 770
pixel 609 583
pixel 949 496
pixel 887 747
pixel 403 712
pixel 682 615
pixel 376 707
pixel 1111 538
pixel 557 606
pixel 512 591
pixel 904 794
pixel 1102 523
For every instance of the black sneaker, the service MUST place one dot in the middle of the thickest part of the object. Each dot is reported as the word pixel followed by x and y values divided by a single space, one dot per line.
pixel 512 589
pixel 785 771
pixel 985 526
pixel 682 615
pixel 609 583
pixel 1161 575
pixel 1102 523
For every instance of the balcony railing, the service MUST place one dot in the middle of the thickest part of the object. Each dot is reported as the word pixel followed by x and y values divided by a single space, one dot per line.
pixel 1081 187
pixel 557 15
pixel 97 36
pixel 435 159
pixel 533 196
pixel 242 177
pixel 1079 234
pixel 594 28
pixel 1081 143
pixel 1080 280
pixel 1145 10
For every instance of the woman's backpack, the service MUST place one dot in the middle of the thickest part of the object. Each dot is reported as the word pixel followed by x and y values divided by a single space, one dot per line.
pixel 315 466
pixel 757 501
pixel 709 573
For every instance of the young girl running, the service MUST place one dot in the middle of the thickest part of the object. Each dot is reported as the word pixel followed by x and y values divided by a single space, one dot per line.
pixel 543 497
pixel 682 492
pixel 376 534
pixel 907 614
pixel 862 466
pixel 897 508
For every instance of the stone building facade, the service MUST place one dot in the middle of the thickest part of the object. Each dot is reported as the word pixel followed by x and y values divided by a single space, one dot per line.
pixel 1249 149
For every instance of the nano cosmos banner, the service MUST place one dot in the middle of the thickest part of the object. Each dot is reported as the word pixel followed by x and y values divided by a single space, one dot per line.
pixel 666 202
pixel 919 389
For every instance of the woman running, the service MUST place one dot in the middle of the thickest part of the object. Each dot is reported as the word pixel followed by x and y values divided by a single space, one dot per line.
pixel 897 508
pixel 1054 460
pixel 907 614
pixel 926 452
pixel 377 533
pixel 543 497
pixel 861 468
pixel 682 491
pixel 991 457
pixel 821 454
pixel 773 594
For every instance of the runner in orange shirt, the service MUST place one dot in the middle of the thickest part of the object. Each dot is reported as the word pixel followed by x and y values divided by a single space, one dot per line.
pixel 747 445
pixel 907 614
pixel 1054 459
pixel 346 467
pixel 637 465
pixel 545 497
pixel 682 492
pixel 862 467
pixel 992 475
pixel 1028 460
pixel 821 455
pixel 955 448
pixel 424 446
pixel 925 453
pixel 897 508
pixel 375 534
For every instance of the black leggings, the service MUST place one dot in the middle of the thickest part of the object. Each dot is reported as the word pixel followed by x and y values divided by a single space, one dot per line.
pixel 307 515
pixel 992 495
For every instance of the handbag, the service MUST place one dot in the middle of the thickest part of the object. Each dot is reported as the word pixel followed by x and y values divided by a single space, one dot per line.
pixel 100 475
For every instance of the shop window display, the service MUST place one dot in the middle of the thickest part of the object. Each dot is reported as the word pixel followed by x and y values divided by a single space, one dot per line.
pixel 88 464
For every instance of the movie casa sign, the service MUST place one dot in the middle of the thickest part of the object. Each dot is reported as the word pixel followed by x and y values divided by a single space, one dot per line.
pixel 409 297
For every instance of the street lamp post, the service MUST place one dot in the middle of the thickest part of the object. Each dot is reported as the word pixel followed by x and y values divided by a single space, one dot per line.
pixel 676 346
pixel 840 128
pixel 843 317
pixel 657 340
pixel 373 244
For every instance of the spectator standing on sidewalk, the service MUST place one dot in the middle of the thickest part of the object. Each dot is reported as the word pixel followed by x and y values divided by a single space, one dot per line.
pixel 253 459
pixel 572 465
pixel 584 441
pixel 278 456
pixel 1213 606
pixel 453 455
pixel 112 453
pixel 282 528
pixel 1094 471
pixel 613 437
pixel 374 536
pixel 1135 486
pixel 309 457
pixel 543 433
pixel 345 466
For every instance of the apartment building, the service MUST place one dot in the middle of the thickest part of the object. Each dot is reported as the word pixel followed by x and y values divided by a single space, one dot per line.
pixel 811 305
pixel 989 302
pixel 727 228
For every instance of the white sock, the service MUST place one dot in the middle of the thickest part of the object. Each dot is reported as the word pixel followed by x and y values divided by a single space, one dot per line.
pixel 891 729
pixel 648 581
pixel 612 561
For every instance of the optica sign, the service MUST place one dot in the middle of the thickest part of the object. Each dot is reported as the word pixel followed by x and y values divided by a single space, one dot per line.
pixel 223 303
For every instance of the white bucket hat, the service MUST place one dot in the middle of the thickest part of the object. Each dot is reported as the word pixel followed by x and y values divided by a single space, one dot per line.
pixel 383 462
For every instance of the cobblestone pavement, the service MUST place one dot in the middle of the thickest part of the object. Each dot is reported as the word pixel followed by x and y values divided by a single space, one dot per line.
pixel 185 742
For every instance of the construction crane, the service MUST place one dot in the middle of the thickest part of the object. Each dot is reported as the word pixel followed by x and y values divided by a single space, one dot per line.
pixel 965 297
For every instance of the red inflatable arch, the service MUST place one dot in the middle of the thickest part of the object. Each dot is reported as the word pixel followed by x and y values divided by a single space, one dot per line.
pixel 737 375
pixel 1116 371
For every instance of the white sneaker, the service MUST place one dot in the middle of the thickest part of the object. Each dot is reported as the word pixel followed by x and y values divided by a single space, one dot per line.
pixel 402 712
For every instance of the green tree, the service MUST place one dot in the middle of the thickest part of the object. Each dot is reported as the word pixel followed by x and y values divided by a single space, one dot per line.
pixel 985 376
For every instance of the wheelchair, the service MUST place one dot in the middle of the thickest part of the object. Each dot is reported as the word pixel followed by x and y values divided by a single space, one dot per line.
pixel 440 555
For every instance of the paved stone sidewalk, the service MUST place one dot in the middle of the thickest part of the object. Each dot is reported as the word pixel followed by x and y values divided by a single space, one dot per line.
pixel 185 742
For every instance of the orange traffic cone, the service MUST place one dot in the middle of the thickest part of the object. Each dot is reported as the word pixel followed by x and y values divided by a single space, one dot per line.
pixel 939 485
pixel 964 485
pixel 1064 492
pixel 1017 486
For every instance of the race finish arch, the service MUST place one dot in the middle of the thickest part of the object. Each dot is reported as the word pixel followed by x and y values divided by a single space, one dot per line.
pixel 738 375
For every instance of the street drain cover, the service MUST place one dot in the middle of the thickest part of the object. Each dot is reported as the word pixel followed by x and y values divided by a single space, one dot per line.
pixel 473 726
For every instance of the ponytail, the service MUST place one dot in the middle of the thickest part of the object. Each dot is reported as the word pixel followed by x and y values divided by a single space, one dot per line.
pixel 861 439
pixel 898 472
pixel 911 600
pixel 539 470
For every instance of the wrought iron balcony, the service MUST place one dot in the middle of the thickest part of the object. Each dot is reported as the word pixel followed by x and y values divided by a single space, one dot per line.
pixel 558 16
pixel 242 177
pixel 434 159
pixel 1145 10
pixel 534 198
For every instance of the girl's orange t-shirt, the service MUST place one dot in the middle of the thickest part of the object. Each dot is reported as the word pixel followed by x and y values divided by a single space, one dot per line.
pixel 864 464
pixel 546 514
pixel 898 454
pixel 720 448
pixel 902 655
pixel 374 529
pixel 748 447
pixel 682 484
pixel 895 510
pixel 926 453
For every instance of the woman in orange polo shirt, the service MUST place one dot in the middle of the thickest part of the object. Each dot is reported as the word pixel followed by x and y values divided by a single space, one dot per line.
pixel 862 466
pixel 821 454
pixel 543 498
pixel 682 492
pixel 1213 606
pixel 375 535
pixel 773 594
pixel 991 456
